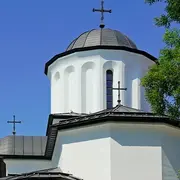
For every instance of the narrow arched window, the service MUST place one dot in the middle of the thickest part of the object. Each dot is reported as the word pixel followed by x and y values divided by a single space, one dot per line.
pixel 109 91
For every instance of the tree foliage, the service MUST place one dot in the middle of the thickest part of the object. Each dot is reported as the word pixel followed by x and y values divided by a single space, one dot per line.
pixel 162 82
pixel 172 12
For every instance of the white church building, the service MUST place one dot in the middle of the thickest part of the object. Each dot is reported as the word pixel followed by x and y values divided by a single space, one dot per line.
pixel 90 135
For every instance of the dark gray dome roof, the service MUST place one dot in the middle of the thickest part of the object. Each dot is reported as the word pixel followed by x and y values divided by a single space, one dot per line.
pixel 101 37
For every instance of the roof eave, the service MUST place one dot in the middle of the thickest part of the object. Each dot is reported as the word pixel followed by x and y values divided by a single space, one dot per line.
pixel 58 116
pixel 119 119
pixel 154 59
pixel 15 156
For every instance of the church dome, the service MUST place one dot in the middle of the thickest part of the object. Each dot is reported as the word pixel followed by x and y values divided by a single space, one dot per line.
pixel 101 37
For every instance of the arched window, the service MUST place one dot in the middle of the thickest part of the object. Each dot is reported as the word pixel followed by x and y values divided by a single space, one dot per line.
pixel 109 91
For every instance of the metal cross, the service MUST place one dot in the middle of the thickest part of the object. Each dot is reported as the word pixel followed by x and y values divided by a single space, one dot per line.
pixel 14 122
pixel 102 11
pixel 119 89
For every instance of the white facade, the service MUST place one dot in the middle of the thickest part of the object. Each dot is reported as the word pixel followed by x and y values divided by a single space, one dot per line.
pixel 114 151
pixel 78 80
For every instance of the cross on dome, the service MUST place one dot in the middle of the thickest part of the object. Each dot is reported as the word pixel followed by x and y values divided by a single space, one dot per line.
pixel 14 122
pixel 102 11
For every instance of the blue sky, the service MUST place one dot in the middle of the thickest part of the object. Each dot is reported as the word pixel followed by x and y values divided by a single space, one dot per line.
pixel 33 31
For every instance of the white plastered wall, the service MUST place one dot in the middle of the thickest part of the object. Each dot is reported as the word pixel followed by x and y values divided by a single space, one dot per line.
pixel 78 80
pixel 113 151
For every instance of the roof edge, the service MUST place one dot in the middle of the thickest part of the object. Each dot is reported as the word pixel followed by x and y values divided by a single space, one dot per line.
pixel 106 117
pixel 124 119
pixel 13 156
pixel 137 51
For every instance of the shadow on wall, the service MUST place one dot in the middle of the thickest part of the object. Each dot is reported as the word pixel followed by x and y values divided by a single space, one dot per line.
pixel 2 168
pixel 137 137
pixel 140 134
pixel 170 156
pixel 125 135
pixel 113 54
pixel 85 134
pixel 87 87
pixel 57 153
pixel 70 91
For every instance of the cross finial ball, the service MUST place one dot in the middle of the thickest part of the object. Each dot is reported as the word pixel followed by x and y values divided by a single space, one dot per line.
pixel 102 11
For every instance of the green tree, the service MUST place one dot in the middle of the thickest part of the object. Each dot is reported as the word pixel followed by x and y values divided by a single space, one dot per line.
pixel 162 82
pixel 172 12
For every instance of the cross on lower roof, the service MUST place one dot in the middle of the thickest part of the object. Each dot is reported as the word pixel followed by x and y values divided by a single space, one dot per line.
pixel 119 92
pixel 14 122
pixel 102 11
